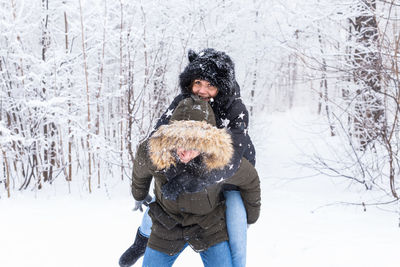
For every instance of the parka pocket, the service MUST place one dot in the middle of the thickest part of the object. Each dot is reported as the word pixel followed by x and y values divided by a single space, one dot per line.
pixel 158 214
pixel 215 220
pixel 195 203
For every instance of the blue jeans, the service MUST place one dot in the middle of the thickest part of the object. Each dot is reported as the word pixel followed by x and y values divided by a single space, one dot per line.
pixel 236 222
pixel 218 255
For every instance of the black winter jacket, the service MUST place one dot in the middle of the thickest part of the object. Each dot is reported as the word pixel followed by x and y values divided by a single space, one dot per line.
pixel 230 112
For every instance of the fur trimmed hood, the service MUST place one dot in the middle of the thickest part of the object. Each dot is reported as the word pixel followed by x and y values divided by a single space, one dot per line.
pixel 215 145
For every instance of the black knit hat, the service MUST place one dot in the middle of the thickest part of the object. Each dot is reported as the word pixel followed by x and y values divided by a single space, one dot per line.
pixel 216 67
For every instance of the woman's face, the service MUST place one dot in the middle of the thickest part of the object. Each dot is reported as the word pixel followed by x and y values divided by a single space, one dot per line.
pixel 204 89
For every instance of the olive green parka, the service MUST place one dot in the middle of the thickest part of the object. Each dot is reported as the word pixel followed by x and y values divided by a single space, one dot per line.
pixel 197 215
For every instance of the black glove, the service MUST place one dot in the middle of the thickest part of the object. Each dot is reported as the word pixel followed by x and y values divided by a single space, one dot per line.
pixel 146 201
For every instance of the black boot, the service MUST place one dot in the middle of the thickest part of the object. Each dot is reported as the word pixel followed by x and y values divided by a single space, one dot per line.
pixel 134 252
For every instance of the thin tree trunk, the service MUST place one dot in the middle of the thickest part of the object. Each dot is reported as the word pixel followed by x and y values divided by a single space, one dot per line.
pixel 7 173
pixel 47 127
pixel 15 116
pixel 121 105
pixel 130 104
pixel 254 82
pixel 87 100
pixel 369 111
pixel 253 88
pixel 69 177
pixel 101 74
pixel 146 68
pixel 324 86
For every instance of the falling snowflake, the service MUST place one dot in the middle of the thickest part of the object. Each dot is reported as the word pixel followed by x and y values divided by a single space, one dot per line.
pixel 241 115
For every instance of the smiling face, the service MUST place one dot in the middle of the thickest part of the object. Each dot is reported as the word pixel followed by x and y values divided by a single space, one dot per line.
pixel 204 89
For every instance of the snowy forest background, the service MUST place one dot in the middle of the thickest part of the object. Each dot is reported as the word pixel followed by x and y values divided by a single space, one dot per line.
pixel 82 82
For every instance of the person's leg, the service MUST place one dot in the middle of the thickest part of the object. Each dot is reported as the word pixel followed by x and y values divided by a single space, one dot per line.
pixel 155 258
pixel 145 227
pixel 134 252
pixel 236 222
pixel 217 255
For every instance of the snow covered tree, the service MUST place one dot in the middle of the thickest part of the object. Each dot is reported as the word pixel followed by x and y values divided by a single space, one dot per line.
pixel 369 110
pixel 357 68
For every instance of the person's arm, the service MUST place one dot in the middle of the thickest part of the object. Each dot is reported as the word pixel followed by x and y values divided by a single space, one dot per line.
pixel 247 180
pixel 141 175
pixel 237 122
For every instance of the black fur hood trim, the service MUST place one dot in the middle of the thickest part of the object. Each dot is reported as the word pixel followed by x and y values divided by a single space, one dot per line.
pixel 211 65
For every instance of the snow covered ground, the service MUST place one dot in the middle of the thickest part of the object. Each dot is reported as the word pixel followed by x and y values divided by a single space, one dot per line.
pixel 297 226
